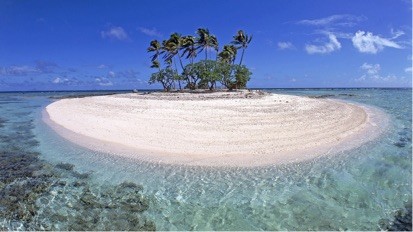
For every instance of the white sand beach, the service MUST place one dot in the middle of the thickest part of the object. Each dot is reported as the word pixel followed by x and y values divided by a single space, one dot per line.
pixel 219 129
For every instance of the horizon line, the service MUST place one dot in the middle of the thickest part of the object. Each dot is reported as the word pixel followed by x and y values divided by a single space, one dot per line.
pixel 108 90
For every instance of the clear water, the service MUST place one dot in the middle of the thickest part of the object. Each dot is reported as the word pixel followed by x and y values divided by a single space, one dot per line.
pixel 362 189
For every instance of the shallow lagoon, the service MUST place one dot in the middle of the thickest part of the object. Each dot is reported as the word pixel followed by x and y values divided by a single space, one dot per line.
pixel 362 189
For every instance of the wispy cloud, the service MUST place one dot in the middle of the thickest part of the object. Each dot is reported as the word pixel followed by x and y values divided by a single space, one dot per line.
pixel 338 34
pixel 111 74
pixel 371 69
pixel 366 42
pixel 128 74
pixel 150 32
pixel 16 70
pixel 103 81
pixel 396 33
pixel 40 67
pixel 285 45
pixel 40 20
pixel 408 69
pixel 115 33
pixel 2 83
pixel 45 66
pixel 63 80
pixel 59 80
pixel 269 42
pixel 372 75
pixel 332 45
pixel 380 79
pixel 71 70
pixel 337 20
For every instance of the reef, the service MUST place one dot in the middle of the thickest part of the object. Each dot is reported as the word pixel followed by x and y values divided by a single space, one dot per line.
pixel 38 195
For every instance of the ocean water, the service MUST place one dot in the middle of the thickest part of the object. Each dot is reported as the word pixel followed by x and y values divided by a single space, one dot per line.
pixel 47 183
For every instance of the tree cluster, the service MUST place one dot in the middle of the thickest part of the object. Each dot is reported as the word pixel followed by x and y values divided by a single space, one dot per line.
pixel 182 68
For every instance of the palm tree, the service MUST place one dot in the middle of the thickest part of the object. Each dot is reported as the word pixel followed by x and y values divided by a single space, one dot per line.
pixel 188 45
pixel 155 64
pixel 172 46
pixel 228 54
pixel 156 48
pixel 189 50
pixel 242 40
pixel 205 41
pixel 206 71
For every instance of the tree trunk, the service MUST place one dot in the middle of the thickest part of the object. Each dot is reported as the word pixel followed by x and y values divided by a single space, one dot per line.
pixel 180 61
pixel 176 69
pixel 206 53
pixel 164 86
pixel 183 70
pixel 242 56
pixel 190 79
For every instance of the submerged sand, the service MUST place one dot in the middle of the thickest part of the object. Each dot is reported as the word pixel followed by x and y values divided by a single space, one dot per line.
pixel 219 129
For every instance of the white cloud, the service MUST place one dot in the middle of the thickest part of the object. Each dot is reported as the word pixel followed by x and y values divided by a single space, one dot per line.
pixel 338 34
pixel 41 67
pixel 150 32
pixel 330 46
pixel 115 33
pixel 366 42
pixel 18 70
pixel 285 45
pixel 269 42
pixel 111 74
pixel 45 66
pixel 102 66
pixel 372 75
pixel 103 82
pixel 380 79
pixel 269 77
pixel 293 80
pixel 372 69
pixel 128 74
pixel 59 80
pixel 396 34
pixel 40 20
pixel 409 69
pixel 337 20
pixel 66 81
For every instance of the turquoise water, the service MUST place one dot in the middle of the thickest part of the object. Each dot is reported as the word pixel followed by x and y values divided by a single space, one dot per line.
pixel 69 187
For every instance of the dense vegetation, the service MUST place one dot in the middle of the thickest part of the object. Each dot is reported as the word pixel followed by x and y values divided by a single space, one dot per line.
pixel 183 69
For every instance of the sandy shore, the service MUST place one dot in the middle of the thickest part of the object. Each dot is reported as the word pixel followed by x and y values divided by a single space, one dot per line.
pixel 222 129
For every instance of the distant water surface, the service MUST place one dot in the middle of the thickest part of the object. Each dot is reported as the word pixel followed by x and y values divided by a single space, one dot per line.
pixel 49 183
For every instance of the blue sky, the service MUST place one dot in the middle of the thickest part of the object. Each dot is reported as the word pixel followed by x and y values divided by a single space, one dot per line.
pixel 81 45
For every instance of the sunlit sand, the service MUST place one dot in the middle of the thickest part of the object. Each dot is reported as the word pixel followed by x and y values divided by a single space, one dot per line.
pixel 219 129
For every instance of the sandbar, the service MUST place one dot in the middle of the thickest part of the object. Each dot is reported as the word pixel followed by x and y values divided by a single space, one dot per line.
pixel 237 129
